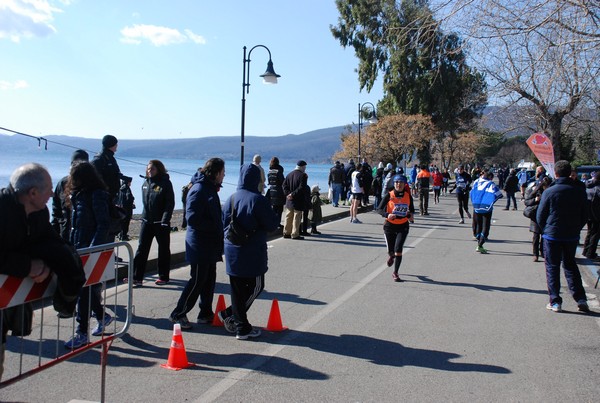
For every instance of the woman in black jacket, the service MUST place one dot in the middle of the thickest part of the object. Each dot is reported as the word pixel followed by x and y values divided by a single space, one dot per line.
pixel 533 195
pixel 275 194
pixel 159 201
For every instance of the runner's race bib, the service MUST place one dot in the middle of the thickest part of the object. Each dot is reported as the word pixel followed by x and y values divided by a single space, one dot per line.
pixel 400 210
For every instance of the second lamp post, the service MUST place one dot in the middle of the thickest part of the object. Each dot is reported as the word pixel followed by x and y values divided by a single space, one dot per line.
pixel 371 116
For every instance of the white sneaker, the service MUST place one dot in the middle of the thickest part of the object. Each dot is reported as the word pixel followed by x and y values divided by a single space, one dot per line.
pixel 461 221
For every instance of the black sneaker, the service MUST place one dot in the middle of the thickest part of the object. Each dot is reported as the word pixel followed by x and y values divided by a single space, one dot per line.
pixel 228 322
pixel 183 322
pixel 252 334
pixel 203 320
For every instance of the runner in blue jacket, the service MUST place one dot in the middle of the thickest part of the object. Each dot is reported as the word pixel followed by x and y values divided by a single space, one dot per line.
pixel 483 196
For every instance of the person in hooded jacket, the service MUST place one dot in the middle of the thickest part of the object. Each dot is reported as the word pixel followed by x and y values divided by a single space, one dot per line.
pixel 159 201
pixel 88 200
pixel 275 194
pixel 246 264
pixel 203 243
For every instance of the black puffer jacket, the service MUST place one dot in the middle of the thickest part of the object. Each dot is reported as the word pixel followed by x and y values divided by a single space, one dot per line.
pixel 159 199
pixel 275 180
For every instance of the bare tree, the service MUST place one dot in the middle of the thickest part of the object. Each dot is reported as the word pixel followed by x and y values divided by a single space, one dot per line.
pixel 536 53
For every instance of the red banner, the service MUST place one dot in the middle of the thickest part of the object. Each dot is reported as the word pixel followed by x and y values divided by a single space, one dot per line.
pixel 542 148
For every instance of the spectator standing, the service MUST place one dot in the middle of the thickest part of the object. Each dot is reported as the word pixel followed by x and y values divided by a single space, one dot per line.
pixel 203 243
pixel 275 194
pixel 127 202
pixel 501 177
pixel 398 209
pixel 184 192
pixel 256 160
pixel 593 224
pixel 533 195
pixel 377 185
pixel 159 201
pixel 305 219
pixel 30 246
pixel 61 212
pixel 294 191
pixel 413 179
pixel 357 189
pixel 106 165
pixel 511 186
pixel 336 182
pixel 348 175
pixel 246 264
pixel 388 180
pixel 367 173
pixel 561 215
pixel 90 218
pixel 483 196
pixel 315 214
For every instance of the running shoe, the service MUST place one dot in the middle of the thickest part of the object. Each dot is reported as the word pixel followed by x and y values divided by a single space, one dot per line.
pixel 183 322
pixel 228 322
pixel 555 307
pixel 79 339
pixel 390 261
pixel 101 326
pixel 252 334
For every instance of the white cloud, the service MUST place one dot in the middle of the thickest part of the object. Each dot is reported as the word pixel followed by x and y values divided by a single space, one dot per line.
pixel 199 39
pixel 26 19
pixel 158 36
pixel 19 84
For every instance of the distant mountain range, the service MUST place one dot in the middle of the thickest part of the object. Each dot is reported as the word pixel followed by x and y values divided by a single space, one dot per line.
pixel 316 146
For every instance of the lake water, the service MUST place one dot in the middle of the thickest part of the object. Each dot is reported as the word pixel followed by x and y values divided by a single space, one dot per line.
pixel 180 172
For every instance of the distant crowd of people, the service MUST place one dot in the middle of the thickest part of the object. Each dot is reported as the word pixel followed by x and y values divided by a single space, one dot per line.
pixel 94 195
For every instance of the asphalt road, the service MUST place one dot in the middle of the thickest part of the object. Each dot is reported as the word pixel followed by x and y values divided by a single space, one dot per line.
pixel 462 327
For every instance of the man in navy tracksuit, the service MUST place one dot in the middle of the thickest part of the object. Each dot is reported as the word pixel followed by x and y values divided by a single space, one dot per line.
pixel 246 264
pixel 561 215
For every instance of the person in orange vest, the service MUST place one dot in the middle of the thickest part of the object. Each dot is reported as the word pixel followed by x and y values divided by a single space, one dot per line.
pixel 398 209
pixel 423 182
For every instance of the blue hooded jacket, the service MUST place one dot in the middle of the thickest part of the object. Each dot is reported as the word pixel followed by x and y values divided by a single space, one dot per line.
pixel 483 195
pixel 204 236
pixel 253 213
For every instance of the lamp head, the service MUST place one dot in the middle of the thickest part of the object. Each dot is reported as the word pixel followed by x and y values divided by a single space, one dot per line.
pixel 270 77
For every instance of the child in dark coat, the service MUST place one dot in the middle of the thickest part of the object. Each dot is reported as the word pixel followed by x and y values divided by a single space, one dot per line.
pixel 315 215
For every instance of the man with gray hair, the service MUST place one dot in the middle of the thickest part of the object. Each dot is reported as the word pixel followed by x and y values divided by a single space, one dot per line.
pixel 30 246
pixel 261 184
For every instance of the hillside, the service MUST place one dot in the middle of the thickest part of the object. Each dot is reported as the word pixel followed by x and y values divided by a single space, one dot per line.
pixel 315 146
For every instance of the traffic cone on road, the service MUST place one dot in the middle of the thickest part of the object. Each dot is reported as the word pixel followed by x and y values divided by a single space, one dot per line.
pixel 177 356
pixel 220 307
pixel 274 324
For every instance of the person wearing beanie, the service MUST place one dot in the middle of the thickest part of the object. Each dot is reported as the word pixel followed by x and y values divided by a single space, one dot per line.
pixel 397 207
pixel 61 212
pixel 106 165
pixel 336 182
pixel 294 191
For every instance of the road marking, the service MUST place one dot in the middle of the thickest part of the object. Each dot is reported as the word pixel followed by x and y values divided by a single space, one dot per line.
pixel 239 374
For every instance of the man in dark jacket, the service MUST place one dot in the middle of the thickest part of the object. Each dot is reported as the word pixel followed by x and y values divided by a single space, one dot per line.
pixel 30 247
pixel 106 165
pixel 246 264
pixel 294 190
pixel 336 182
pixel 561 214
pixel 593 225
pixel 203 243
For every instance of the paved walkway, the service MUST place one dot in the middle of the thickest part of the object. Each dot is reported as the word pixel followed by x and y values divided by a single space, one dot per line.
pixel 462 327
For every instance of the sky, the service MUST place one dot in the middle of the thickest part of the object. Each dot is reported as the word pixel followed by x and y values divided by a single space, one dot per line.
pixel 173 69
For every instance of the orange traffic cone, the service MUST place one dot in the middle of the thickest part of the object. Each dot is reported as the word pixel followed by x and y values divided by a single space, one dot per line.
pixel 220 307
pixel 177 356
pixel 274 324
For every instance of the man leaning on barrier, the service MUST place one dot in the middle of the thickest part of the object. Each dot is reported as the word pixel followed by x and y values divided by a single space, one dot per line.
pixel 30 247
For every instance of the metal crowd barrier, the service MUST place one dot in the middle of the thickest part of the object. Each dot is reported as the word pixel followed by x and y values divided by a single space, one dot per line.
pixel 43 348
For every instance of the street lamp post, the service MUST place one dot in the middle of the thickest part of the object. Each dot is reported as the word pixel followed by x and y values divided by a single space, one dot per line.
pixel 371 118
pixel 270 77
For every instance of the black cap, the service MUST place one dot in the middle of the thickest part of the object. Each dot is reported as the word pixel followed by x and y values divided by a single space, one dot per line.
pixel 109 140
pixel 301 163
pixel 80 155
